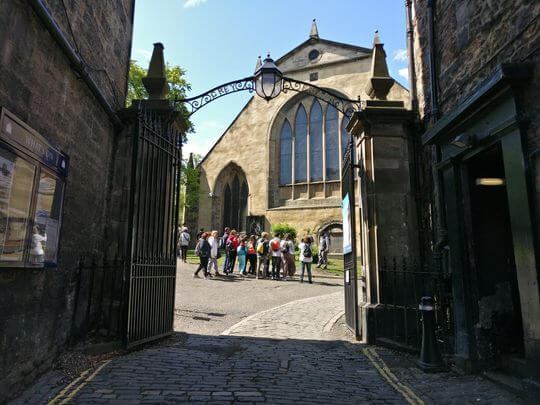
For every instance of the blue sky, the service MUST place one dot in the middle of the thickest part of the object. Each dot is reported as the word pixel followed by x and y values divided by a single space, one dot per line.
pixel 217 41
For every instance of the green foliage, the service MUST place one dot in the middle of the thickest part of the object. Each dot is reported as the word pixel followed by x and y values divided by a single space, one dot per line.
pixel 283 228
pixel 178 86
pixel 189 185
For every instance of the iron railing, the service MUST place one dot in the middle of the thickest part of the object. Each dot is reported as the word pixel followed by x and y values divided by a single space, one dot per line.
pixel 398 321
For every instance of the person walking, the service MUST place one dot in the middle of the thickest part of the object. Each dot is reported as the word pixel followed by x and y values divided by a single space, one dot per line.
pixel 241 253
pixel 252 254
pixel 183 243
pixel 263 250
pixel 230 247
pixel 323 250
pixel 275 246
pixel 213 240
pixel 223 246
pixel 203 251
pixel 306 258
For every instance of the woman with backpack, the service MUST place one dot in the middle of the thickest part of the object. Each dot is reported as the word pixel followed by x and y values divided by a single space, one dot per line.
pixel 203 251
pixel 275 247
pixel 306 258
pixel 252 254
pixel 263 250
pixel 230 248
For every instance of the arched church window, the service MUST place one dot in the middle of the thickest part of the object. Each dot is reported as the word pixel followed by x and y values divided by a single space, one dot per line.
pixel 235 206
pixel 332 143
pixel 227 202
pixel 300 146
pixel 285 154
pixel 315 142
pixel 344 135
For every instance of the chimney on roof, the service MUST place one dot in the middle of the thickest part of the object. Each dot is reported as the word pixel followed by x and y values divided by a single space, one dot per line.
pixel 314 34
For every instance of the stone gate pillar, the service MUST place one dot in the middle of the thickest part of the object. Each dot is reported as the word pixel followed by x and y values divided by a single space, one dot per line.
pixel 386 202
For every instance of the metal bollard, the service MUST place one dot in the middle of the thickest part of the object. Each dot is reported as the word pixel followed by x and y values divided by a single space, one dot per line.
pixel 430 357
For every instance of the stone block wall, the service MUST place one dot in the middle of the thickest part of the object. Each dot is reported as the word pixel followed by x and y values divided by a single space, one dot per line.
pixel 40 87
pixel 471 39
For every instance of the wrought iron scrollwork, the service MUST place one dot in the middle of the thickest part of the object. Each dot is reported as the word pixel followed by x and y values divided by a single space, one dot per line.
pixel 195 103
pixel 343 105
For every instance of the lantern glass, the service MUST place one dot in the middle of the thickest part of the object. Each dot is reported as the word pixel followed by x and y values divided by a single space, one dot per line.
pixel 268 80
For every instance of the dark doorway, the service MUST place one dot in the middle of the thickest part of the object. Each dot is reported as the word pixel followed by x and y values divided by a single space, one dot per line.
pixel 499 324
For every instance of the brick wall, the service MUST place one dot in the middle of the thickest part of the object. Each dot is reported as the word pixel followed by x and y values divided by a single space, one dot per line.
pixel 39 86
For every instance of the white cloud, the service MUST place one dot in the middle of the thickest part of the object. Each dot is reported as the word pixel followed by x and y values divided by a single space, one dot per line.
pixel 400 55
pixel 193 3
pixel 144 53
pixel 404 73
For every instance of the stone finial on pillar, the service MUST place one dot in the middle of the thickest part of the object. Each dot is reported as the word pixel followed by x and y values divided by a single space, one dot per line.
pixel 314 34
pixel 155 81
pixel 380 81
pixel 259 64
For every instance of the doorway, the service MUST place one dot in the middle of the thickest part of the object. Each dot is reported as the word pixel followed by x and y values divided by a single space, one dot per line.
pixel 499 330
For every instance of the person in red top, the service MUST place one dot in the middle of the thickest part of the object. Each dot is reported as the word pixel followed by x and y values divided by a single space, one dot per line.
pixel 230 249
pixel 252 254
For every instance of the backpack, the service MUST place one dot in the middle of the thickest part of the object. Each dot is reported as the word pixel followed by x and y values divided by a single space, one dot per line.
pixel 275 245
pixel 260 247
pixel 198 249
pixel 229 246
pixel 307 251
pixel 285 248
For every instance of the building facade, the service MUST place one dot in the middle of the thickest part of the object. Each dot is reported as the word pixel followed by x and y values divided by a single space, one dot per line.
pixel 476 70
pixel 64 75
pixel 280 161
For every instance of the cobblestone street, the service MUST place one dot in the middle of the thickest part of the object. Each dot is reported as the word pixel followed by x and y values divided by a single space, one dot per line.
pixel 297 352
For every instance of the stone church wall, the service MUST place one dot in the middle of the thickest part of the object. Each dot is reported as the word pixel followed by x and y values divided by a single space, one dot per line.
pixel 251 143
pixel 40 87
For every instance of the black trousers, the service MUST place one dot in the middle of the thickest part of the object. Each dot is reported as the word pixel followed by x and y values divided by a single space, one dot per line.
pixel 203 265
pixel 252 259
pixel 232 261
pixel 183 252
pixel 276 266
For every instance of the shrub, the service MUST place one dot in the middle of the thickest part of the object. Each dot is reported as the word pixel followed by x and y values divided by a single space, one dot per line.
pixel 283 228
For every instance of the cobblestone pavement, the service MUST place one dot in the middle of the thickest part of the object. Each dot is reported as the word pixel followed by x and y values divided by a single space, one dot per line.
pixel 296 367
pixel 299 352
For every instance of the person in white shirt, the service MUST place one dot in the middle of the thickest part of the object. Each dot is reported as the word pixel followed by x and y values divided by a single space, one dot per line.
pixel 306 258
pixel 37 254
pixel 275 248
pixel 183 243
pixel 214 251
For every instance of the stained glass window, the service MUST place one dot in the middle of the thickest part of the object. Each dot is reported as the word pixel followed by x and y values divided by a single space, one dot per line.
pixel 315 142
pixel 285 154
pixel 332 144
pixel 300 146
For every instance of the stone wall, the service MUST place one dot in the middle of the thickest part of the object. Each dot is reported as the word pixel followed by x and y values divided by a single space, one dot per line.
pixel 40 87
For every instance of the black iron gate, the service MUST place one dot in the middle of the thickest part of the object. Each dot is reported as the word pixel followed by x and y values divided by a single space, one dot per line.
pixel 349 236
pixel 153 223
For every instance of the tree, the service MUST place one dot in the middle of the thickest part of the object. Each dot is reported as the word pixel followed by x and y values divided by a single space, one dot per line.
pixel 189 185
pixel 178 86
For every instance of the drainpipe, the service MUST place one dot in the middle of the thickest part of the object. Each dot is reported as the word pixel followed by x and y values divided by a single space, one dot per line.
pixel 76 62
pixel 441 233
pixel 410 55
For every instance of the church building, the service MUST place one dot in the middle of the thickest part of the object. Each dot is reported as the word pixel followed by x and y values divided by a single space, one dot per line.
pixel 280 160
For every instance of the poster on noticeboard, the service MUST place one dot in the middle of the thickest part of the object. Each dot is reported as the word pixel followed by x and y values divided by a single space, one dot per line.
pixel 346 213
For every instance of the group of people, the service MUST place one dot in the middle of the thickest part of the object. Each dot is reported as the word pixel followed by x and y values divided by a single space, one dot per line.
pixel 263 257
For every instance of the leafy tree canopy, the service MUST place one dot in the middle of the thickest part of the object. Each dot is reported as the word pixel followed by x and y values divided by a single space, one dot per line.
pixel 178 86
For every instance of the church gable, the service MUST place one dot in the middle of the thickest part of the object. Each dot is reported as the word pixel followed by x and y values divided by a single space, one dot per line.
pixel 316 52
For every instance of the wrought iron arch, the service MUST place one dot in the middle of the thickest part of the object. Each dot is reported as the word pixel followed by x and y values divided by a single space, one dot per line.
pixel 342 104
